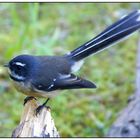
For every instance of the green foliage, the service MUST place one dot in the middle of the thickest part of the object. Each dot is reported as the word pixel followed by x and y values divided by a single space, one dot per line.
pixel 56 28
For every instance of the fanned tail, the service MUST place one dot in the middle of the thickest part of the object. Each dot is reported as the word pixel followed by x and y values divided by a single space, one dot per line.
pixel 114 33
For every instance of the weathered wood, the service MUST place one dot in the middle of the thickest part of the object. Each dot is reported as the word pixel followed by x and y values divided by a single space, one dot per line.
pixel 31 125
pixel 128 122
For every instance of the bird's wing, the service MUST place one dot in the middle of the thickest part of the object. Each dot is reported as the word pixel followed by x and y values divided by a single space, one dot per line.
pixel 65 82
pixel 71 81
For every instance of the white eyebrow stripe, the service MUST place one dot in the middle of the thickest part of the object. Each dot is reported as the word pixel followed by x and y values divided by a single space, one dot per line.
pixel 20 64
pixel 111 28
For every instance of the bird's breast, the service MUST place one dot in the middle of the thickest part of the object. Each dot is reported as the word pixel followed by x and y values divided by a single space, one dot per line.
pixel 27 90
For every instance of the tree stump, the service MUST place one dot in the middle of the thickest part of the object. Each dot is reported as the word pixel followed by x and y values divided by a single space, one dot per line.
pixel 128 122
pixel 32 125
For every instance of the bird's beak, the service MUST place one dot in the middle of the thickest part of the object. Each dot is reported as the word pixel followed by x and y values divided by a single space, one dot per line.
pixel 6 65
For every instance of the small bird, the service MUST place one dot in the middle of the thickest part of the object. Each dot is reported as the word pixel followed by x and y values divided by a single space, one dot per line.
pixel 38 76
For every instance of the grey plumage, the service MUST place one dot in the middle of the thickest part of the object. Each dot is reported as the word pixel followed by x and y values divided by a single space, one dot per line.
pixel 41 74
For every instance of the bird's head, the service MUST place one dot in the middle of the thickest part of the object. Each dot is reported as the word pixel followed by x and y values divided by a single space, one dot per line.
pixel 20 67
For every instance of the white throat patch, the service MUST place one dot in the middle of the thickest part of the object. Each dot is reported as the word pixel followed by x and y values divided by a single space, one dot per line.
pixel 17 76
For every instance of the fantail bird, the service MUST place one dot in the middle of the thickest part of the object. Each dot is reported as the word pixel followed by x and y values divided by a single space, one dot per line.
pixel 39 75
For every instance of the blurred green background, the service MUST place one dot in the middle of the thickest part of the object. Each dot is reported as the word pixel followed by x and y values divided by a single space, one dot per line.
pixel 55 29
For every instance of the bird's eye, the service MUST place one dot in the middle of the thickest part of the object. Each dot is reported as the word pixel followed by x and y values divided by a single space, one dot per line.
pixel 18 67
pixel 18 70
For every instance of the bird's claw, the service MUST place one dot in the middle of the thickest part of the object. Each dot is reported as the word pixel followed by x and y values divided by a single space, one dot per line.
pixel 39 108
pixel 28 98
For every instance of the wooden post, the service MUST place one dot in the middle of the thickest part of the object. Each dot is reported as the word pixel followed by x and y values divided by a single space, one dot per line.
pixel 31 125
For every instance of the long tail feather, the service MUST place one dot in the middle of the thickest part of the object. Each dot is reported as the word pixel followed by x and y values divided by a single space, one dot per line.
pixel 114 33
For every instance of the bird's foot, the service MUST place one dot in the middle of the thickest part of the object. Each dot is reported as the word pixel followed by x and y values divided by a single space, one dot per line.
pixel 39 108
pixel 28 98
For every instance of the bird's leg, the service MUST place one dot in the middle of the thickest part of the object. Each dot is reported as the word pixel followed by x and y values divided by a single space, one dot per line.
pixel 38 109
pixel 28 98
